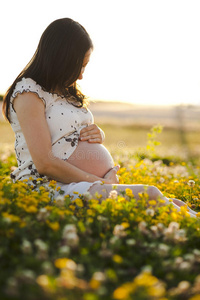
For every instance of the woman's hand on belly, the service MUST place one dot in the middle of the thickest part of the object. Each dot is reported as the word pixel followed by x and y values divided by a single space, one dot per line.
pixel 92 134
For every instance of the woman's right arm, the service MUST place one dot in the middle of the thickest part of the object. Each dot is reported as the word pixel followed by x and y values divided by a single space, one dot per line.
pixel 31 115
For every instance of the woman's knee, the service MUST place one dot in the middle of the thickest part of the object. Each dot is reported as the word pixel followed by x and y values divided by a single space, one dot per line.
pixel 153 192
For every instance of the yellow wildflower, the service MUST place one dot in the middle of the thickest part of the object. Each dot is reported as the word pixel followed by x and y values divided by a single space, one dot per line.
pixel 125 224
pixel 102 235
pixel 61 263
pixel 117 258
pixel 11 218
pixel 30 209
pixel 90 212
pixel 79 202
pixel 72 207
pixel 196 297
pixel 174 216
pixel 94 284
pixel 43 281
pixel 122 292
pixel 121 199
pixel 90 220
pixel 129 192
pixel 152 202
pixel 184 211
pixel 53 225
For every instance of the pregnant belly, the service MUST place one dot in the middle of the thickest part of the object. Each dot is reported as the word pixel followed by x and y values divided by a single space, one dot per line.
pixel 92 158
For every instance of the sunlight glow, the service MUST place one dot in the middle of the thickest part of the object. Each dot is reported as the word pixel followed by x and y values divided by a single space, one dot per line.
pixel 145 52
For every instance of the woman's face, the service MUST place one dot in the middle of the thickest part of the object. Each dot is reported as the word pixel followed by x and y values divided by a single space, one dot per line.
pixel 85 62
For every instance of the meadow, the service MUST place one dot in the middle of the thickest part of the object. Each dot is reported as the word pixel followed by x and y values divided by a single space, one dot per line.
pixel 116 248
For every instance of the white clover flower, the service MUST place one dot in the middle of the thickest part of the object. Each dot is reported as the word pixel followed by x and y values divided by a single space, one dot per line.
pixel 174 233
pixel 173 226
pixel 180 235
pixel 60 200
pixel 119 231
pixel 52 191
pixel 161 180
pixel 71 265
pixel 26 247
pixel 163 250
pixel 114 239
pixel 191 183
pixel 7 220
pixel 147 161
pixel 102 218
pixel 42 214
pixel 42 249
pixel 47 267
pixel 150 212
pixel 178 261
pixel 130 242
pixel 184 286
pixel 43 280
pixel 69 228
pixel 99 276
pixel 105 253
pixel 27 275
pixel 65 250
pixel 185 266
pixel 155 231
pixel 40 245
pixel 113 194
pixel 189 257
pixel 12 286
pixel 142 226
pixel 197 254
pixel 80 268
pixel 161 227
pixel 87 196
pixel 147 269
pixel 72 239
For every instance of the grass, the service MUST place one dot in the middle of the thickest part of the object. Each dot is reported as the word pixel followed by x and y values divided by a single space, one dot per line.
pixel 131 138
pixel 7 136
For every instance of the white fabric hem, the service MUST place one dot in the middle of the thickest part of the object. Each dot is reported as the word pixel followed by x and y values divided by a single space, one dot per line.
pixel 75 189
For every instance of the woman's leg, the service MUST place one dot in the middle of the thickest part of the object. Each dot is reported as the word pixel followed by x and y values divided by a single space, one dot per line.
pixel 105 189
pixel 181 203
pixel 153 192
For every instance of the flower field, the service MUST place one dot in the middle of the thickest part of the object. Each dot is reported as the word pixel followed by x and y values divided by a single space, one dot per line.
pixel 119 248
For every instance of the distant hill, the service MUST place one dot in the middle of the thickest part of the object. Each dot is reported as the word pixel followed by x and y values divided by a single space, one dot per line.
pixel 182 116
pixel 130 114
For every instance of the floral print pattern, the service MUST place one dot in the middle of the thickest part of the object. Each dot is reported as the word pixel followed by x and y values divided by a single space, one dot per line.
pixel 64 120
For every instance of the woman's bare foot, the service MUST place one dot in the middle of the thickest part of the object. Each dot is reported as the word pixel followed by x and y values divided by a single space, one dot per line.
pixel 181 203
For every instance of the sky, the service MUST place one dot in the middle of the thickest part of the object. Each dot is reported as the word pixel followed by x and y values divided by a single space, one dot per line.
pixel 145 51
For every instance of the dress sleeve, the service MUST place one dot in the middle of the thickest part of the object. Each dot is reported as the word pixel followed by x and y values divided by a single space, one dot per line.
pixel 28 85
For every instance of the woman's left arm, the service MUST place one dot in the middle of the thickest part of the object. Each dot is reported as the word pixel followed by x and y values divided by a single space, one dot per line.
pixel 92 134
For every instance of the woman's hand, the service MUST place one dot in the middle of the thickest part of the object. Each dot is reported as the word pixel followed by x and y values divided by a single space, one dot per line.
pixel 92 134
pixel 111 176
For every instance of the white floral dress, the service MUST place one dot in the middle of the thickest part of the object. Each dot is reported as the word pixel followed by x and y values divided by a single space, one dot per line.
pixel 65 122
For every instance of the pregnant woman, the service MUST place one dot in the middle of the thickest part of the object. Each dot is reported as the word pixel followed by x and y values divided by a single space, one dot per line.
pixel 56 137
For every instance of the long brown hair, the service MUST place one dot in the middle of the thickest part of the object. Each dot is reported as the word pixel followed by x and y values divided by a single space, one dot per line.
pixel 57 61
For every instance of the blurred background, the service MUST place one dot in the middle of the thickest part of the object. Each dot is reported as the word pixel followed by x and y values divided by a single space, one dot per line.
pixel 144 70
